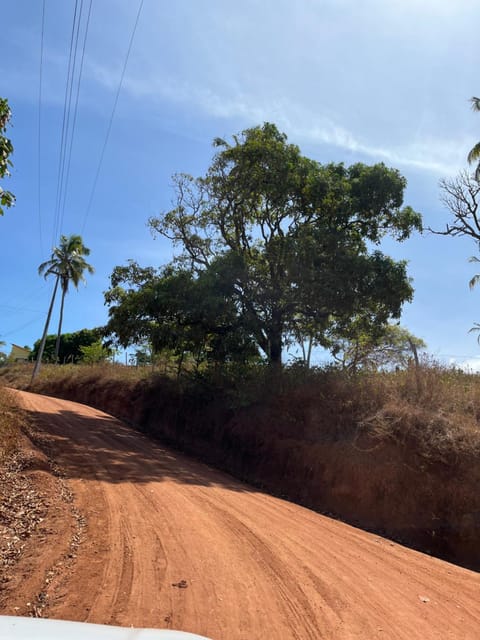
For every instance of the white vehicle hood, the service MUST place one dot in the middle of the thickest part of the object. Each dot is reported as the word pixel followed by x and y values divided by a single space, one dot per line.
pixel 16 628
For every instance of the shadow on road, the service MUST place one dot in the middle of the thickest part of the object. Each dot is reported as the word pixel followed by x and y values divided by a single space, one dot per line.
pixel 102 448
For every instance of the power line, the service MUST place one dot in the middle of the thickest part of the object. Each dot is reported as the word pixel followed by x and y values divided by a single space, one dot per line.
pixel 39 131
pixel 11 308
pixel 75 112
pixel 31 295
pixel 102 154
pixel 23 326
pixel 68 131
pixel 61 164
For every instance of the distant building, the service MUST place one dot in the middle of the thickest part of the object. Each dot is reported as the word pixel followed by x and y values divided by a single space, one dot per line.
pixel 19 354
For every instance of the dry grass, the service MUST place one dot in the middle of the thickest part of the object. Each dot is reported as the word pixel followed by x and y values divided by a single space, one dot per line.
pixel 11 420
pixel 19 375
pixel 434 410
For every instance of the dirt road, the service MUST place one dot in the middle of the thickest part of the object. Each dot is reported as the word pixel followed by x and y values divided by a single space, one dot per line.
pixel 163 541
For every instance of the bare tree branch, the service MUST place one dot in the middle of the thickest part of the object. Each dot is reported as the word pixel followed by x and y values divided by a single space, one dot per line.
pixel 460 196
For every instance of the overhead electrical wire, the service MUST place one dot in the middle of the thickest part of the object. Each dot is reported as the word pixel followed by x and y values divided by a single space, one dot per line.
pixel 23 326
pixel 10 308
pixel 39 133
pixel 68 130
pixel 75 112
pixel 66 114
pixel 109 128
pixel 31 294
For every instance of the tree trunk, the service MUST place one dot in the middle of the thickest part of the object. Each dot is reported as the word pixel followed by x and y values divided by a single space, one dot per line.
pixel 275 346
pixel 38 361
pixel 309 352
pixel 60 322
pixel 418 378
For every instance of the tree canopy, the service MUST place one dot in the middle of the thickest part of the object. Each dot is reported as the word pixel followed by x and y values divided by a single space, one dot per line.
pixel 7 199
pixel 70 345
pixel 172 309
pixel 290 246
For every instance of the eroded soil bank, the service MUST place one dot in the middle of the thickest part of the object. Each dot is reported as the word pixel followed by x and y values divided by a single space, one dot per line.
pixel 286 445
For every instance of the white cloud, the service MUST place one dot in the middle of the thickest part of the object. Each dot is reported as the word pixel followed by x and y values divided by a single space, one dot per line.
pixel 441 156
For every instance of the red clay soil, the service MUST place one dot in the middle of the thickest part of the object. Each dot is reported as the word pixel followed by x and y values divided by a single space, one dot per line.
pixel 154 539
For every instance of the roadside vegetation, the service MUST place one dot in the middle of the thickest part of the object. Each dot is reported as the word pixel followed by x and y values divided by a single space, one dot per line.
pixel 394 451
pixel 431 407
pixel 11 420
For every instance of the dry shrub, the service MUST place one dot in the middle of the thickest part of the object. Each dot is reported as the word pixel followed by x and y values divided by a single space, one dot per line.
pixel 16 375
pixel 11 419
pixel 432 410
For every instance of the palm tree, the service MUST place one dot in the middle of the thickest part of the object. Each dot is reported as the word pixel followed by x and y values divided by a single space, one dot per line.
pixel 474 155
pixel 67 264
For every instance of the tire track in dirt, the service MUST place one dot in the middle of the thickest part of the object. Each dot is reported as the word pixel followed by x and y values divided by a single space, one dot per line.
pixel 171 543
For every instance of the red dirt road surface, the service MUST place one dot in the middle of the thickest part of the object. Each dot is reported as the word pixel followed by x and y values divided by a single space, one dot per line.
pixel 155 539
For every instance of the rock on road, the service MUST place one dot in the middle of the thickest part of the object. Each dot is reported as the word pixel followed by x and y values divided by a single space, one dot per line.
pixel 171 543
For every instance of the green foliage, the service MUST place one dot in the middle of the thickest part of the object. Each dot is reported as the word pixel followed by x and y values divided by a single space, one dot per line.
pixel 7 199
pixel 172 309
pixel 474 153
pixel 70 345
pixel 94 353
pixel 374 349
pixel 289 238
pixel 67 264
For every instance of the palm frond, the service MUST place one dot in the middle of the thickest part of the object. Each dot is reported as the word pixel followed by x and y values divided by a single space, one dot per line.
pixel 474 154
pixel 474 281
pixel 474 329
pixel 475 102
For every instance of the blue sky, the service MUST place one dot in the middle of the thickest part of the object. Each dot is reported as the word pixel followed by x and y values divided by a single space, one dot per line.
pixel 370 81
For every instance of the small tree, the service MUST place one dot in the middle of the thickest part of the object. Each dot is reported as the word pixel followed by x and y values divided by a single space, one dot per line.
pixel 3 355
pixel 386 348
pixel 461 196
pixel 7 199
pixel 94 353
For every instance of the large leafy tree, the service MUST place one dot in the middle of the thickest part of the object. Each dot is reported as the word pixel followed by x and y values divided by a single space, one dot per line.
pixel 296 236
pixel 7 199
pixel 474 154
pixel 67 264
